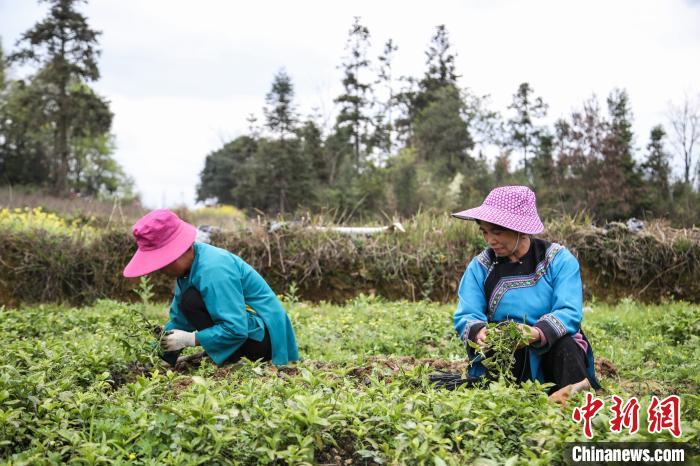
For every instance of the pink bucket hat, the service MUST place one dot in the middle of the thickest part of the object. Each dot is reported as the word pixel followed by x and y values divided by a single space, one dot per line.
pixel 161 237
pixel 512 207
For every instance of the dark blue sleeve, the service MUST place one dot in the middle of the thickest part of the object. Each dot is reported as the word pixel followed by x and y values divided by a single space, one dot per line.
pixel 177 319
pixel 470 316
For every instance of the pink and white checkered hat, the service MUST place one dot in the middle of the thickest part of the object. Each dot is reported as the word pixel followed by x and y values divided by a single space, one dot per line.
pixel 512 207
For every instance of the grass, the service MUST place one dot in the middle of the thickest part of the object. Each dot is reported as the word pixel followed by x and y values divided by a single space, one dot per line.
pixel 82 385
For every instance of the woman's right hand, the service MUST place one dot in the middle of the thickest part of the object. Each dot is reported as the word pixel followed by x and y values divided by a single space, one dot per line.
pixel 481 337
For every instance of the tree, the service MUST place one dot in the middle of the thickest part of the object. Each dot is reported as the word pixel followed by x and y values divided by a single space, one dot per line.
pixel 95 173
pixel 577 146
pixel 485 125
pixel 441 70
pixel 441 134
pixel 24 138
pixel 685 123
pixel 501 169
pixel 657 171
pixel 312 147
pixel 339 155
pixel 284 167
pixel 543 169
pixel 524 132
pixel 439 113
pixel 416 94
pixel 404 102
pixel 226 173
pixel 65 49
pixel 283 176
pixel 403 176
pixel 3 67
pixel 440 73
pixel 619 182
pixel 280 112
pixel 383 119
pixel 353 120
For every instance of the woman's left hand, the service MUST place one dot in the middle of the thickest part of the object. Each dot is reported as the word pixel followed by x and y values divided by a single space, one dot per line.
pixel 177 339
pixel 532 334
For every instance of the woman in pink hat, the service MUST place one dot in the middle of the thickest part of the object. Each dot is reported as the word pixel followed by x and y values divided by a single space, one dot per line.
pixel 220 302
pixel 527 280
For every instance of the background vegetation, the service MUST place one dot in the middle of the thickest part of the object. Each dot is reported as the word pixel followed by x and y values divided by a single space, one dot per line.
pixel 395 145
pixel 85 385
pixel 46 258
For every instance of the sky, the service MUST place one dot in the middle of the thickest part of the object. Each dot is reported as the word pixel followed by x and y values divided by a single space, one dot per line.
pixel 182 77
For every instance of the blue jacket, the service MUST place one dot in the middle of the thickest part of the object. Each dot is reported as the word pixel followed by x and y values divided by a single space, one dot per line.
pixel 240 303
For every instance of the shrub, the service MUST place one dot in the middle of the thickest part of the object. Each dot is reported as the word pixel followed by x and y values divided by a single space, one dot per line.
pixel 426 262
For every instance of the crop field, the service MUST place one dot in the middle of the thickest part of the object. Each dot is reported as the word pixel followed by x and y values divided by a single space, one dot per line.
pixel 85 386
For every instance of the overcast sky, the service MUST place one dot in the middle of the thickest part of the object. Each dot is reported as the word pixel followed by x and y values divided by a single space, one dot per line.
pixel 183 76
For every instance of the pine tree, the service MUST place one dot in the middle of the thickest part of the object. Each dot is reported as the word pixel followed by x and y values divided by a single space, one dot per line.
pixel 441 134
pixel 312 146
pixel 24 140
pixel 383 119
pixel 65 48
pixel 657 171
pixel 440 59
pixel 524 130
pixel 416 95
pixel 280 112
pixel 619 181
pixel 543 161
pixel 353 120
pixel 282 167
pixel 3 67
pixel 578 152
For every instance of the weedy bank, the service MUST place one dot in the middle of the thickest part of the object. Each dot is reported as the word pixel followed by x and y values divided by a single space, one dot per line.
pixel 84 385
pixel 75 262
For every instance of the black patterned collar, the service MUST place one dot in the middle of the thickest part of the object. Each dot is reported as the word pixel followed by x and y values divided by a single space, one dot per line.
pixel 503 269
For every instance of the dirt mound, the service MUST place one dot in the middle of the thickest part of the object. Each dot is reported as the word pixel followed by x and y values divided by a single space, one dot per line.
pixel 382 367
pixel 605 368
pixel 118 376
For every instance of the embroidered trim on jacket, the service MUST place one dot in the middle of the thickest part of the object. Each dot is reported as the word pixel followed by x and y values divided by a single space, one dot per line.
pixel 465 333
pixel 556 324
pixel 484 259
pixel 509 283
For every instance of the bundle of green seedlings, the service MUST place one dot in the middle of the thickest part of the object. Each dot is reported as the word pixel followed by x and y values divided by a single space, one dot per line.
pixel 497 355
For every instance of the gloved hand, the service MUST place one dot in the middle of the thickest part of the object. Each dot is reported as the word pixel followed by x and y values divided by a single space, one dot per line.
pixel 177 339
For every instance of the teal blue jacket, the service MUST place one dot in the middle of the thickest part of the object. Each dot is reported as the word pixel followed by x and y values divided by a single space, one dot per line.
pixel 239 301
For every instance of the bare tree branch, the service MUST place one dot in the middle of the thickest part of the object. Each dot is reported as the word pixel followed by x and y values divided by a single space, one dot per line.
pixel 685 137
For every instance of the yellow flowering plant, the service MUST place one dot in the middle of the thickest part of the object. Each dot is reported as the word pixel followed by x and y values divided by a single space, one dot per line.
pixel 28 219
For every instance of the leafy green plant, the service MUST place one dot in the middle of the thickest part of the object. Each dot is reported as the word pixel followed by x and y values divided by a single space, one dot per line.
pixel 72 392
pixel 291 297
pixel 144 290
pixel 502 341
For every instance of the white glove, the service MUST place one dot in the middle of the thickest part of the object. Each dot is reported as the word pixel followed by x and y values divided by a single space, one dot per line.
pixel 177 339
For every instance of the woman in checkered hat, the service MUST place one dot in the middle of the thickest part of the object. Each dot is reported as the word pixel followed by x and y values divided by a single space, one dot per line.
pixel 530 281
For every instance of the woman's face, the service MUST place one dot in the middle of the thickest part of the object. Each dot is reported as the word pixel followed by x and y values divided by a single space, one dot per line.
pixel 180 266
pixel 501 240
